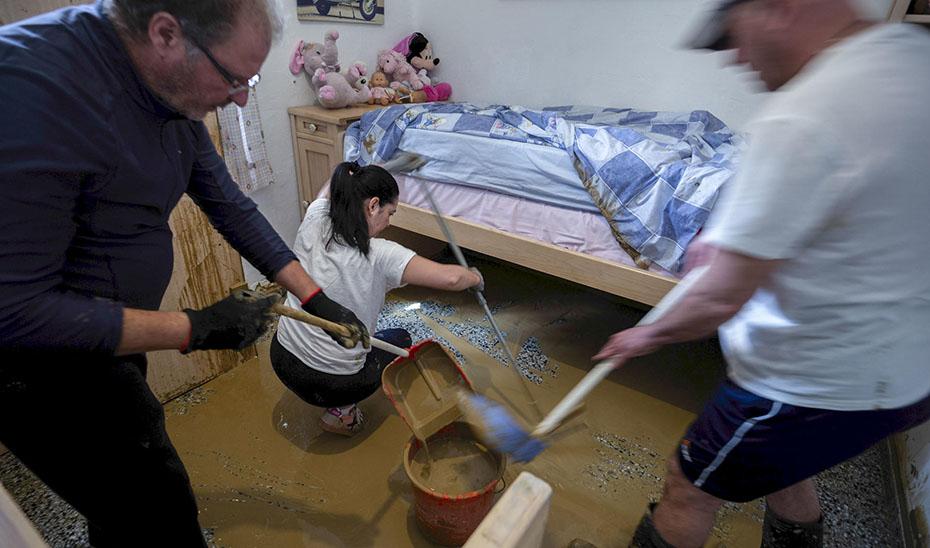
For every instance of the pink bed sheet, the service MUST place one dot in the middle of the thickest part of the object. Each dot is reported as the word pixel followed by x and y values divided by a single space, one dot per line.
pixel 580 231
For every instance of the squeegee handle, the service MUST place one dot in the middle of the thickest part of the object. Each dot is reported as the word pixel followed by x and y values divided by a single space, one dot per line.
pixel 388 347
pixel 602 369
pixel 333 327
pixel 460 257
pixel 573 398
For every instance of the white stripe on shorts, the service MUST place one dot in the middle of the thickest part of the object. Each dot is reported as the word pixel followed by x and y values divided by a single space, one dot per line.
pixel 737 437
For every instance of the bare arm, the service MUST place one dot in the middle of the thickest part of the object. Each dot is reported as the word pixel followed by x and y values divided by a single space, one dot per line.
pixel 145 330
pixel 729 282
pixel 427 273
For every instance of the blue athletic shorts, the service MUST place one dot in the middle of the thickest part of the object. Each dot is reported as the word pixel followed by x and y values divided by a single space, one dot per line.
pixel 743 446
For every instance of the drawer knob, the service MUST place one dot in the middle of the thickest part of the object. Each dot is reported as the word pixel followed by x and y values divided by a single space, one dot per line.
pixel 309 127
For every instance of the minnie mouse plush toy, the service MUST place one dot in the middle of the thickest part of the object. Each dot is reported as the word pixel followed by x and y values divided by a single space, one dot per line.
pixel 419 53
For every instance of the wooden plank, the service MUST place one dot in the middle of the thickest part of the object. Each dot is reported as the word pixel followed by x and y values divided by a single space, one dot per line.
pixel 518 519
pixel 622 280
pixel 16 531
pixel 206 269
pixel 898 10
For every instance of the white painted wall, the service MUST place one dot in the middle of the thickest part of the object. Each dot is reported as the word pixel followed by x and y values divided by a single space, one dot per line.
pixel 597 52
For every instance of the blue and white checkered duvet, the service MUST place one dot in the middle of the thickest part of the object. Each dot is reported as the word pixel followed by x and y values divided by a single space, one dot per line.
pixel 653 175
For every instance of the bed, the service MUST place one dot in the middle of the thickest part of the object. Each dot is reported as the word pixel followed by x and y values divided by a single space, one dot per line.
pixel 608 198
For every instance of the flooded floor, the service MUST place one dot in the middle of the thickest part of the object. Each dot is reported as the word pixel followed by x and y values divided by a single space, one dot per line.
pixel 265 474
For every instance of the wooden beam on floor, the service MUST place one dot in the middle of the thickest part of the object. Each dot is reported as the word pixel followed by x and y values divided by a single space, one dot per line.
pixel 16 531
pixel 518 520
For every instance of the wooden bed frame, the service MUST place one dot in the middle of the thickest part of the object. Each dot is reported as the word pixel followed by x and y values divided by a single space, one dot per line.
pixel 317 135
pixel 615 278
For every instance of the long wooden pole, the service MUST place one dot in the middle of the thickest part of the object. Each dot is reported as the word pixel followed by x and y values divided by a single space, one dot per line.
pixel 334 327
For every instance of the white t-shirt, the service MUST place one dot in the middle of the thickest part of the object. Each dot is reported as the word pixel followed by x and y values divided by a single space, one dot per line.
pixel 837 183
pixel 353 280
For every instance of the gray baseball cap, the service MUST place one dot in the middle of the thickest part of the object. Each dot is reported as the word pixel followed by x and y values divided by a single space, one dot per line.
pixel 712 32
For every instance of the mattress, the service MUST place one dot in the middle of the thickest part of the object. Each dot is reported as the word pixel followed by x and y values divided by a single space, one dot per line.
pixel 524 170
pixel 576 230
pixel 655 176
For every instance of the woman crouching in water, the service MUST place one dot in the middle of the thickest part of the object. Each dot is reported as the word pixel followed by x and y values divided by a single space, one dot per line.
pixel 336 245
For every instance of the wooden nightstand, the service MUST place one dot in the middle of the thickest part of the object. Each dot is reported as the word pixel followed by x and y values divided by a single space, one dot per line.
pixel 317 135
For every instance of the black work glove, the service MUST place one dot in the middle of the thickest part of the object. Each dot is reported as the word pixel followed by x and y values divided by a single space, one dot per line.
pixel 328 309
pixel 234 322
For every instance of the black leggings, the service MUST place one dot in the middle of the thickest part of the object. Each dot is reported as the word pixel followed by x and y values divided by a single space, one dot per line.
pixel 91 429
pixel 327 390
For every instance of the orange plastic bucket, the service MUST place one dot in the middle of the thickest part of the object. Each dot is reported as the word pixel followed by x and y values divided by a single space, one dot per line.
pixel 450 519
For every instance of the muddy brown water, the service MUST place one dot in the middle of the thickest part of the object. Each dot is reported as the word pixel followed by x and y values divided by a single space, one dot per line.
pixel 454 466
pixel 265 474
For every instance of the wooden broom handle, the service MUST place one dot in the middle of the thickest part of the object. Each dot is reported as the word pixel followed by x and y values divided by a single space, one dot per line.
pixel 300 315
pixel 333 327
pixel 602 369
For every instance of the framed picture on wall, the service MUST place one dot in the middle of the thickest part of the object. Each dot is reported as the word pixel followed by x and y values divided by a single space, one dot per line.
pixel 349 11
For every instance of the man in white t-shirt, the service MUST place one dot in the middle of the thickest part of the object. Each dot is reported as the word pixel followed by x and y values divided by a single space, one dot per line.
pixel 818 259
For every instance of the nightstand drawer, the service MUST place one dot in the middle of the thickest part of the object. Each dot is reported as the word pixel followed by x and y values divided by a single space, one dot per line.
pixel 307 127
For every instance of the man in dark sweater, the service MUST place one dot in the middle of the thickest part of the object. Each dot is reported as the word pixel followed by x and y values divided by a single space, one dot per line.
pixel 99 138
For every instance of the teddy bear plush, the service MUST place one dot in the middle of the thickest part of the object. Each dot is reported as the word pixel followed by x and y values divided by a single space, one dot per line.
pixel 321 63
pixel 398 70
pixel 418 52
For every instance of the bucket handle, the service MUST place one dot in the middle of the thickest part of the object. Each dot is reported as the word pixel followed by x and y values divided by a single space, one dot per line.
pixel 502 484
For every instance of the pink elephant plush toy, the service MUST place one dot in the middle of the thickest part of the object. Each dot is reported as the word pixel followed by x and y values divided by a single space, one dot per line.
pixel 321 63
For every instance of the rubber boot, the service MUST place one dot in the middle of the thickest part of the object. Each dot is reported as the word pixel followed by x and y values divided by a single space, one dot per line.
pixel 646 535
pixel 778 532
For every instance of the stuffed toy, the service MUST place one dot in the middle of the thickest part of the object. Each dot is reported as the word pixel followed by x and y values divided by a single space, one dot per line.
pixel 321 63
pixel 398 70
pixel 381 90
pixel 418 52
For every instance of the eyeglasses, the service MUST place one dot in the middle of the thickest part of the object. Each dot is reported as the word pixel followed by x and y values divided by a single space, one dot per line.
pixel 234 85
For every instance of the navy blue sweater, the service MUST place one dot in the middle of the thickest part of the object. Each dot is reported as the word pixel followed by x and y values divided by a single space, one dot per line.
pixel 91 165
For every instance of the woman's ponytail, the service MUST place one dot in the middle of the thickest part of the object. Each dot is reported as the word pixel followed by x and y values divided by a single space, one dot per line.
pixel 350 188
